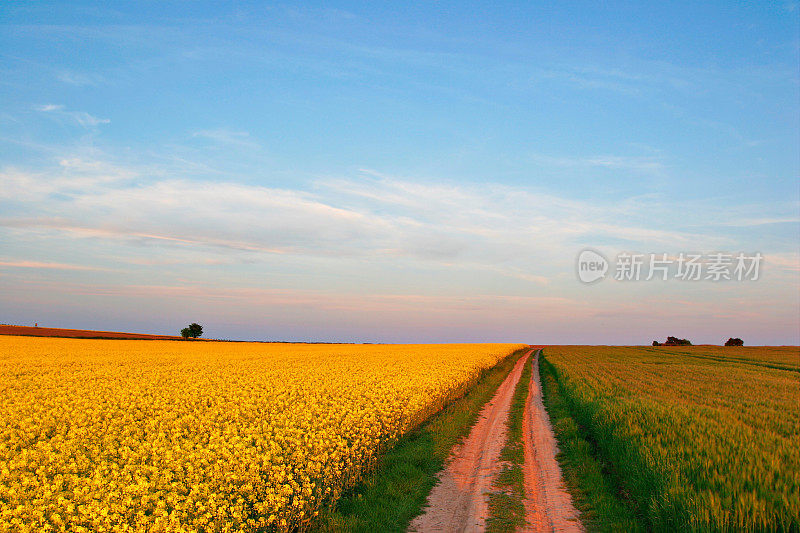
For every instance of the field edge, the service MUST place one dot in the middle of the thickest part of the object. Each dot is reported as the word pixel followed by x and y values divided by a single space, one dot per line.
pixel 394 493
pixel 595 488
pixel 506 507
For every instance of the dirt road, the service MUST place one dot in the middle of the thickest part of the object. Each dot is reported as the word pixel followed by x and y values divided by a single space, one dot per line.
pixel 459 502
pixel 548 506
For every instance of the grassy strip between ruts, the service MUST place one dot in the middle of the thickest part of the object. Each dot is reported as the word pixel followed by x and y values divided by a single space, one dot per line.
pixel 595 487
pixel 506 507
pixel 391 496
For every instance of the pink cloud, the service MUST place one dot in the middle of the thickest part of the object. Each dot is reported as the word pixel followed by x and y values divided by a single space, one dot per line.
pixel 40 264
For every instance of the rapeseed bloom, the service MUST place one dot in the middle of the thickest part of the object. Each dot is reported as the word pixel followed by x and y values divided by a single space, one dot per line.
pixel 128 435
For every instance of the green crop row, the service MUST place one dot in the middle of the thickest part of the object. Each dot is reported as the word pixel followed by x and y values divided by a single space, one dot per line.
pixel 696 438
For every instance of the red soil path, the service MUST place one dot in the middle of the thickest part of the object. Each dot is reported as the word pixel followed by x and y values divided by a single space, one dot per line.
pixel 79 333
pixel 459 502
pixel 548 505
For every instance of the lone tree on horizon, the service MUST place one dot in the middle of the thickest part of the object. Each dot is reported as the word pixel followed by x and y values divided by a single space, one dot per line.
pixel 193 330
pixel 673 341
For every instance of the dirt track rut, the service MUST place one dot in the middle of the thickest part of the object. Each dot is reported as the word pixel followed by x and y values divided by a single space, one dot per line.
pixel 548 505
pixel 458 502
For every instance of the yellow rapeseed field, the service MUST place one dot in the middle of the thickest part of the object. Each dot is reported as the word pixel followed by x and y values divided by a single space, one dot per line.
pixel 126 435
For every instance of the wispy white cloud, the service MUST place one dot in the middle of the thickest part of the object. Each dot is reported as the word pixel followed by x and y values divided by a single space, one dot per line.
pixel 50 107
pixel 495 229
pixel 593 79
pixel 85 119
pixel 641 164
pixel 75 175
pixel 227 137
pixel 131 235
pixel 79 79
pixel 82 118
pixel 502 235
pixel 750 222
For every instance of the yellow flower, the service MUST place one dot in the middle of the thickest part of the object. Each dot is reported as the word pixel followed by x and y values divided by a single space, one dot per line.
pixel 172 436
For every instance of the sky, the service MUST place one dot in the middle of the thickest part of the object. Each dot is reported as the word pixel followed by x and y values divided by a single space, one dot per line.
pixel 423 172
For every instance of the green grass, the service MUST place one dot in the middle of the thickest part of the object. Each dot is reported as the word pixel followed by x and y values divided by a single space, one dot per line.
pixel 391 496
pixel 506 507
pixel 696 438
pixel 595 487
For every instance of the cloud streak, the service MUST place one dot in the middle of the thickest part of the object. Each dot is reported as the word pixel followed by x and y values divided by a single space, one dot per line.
pixel 485 226
pixel 79 79
pixel 373 214
pixel 227 137
pixel 81 118
pixel 41 264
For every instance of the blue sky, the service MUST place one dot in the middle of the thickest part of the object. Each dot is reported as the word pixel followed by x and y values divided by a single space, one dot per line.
pixel 425 172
